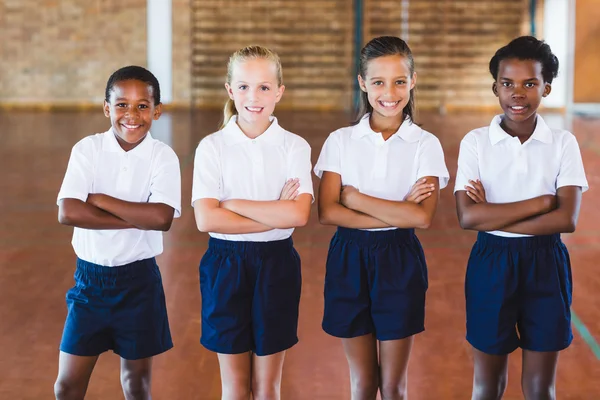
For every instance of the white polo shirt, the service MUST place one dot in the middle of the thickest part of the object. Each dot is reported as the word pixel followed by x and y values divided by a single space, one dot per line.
pixel 229 165
pixel 385 169
pixel 148 173
pixel 511 171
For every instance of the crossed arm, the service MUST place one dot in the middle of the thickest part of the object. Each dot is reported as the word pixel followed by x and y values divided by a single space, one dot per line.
pixel 345 206
pixel 542 215
pixel 101 211
pixel 238 216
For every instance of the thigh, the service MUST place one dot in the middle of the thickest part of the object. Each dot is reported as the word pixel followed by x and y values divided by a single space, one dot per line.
pixel 492 299
pixel 139 321
pixel 393 360
pixel 266 375
pixel 347 311
pixel 276 301
pixel 74 371
pixel 361 353
pixel 87 326
pixel 227 293
pixel 490 371
pixel 236 375
pixel 545 320
pixel 539 374
pixel 398 289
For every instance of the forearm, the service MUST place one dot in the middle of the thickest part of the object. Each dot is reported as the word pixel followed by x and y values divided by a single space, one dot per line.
pixel 145 216
pixel 338 215
pixel 76 213
pixel 556 221
pixel 220 220
pixel 281 214
pixel 496 216
pixel 401 214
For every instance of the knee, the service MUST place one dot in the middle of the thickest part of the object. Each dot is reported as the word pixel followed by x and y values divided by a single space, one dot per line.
pixel 364 387
pixel 266 390
pixel 538 390
pixel 235 390
pixel 393 390
pixel 65 390
pixel 135 387
pixel 489 390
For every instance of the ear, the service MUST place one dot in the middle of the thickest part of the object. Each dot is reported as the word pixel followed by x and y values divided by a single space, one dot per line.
pixel 413 80
pixel 547 89
pixel 280 91
pixel 495 88
pixel 362 84
pixel 106 109
pixel 229 91
pixel 157 111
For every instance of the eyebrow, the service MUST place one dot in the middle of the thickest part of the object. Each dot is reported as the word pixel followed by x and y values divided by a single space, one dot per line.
pixel 125 99
pixel 528 79
pixel 398 77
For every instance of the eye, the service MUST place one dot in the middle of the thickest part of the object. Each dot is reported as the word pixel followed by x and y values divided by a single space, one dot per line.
pixel 378 83
pixel 529 85
pixel 120 105
pixel 143 106
pixel 506 84
pixel 264 88
pixel 243 87
pixel 400 82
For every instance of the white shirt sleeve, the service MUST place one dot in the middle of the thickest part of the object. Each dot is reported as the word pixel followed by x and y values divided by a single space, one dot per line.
pixel 299 166
pixel 207 172
pixel 329 159
pixel 78 180
pixel 468 163
pixel 431 161
pixel 571 171
pixel 165 186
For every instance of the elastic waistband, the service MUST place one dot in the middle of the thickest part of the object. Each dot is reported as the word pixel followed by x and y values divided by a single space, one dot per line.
pixel 243 247
pixel 375 237
pixel 525 242
pixel 140 271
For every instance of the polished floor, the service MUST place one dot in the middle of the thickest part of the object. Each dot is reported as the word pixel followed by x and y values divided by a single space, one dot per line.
pixel 37 264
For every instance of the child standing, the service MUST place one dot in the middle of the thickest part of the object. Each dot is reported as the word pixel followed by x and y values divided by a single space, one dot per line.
pixel 252 187
pixel 121 189
pixel 380 179
pixel 519 183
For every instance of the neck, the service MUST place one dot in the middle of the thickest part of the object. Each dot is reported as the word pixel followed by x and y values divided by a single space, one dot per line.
pixel 523 129
pixel 255 129
pixel 386 125
pixel 126 145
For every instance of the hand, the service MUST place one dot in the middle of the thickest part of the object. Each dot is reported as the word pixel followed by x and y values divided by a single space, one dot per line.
pixel 347 194
pixel 476 191
pixel 420 191
pixel 290 189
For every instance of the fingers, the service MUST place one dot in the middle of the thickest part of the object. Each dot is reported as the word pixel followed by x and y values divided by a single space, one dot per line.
pixel 290 189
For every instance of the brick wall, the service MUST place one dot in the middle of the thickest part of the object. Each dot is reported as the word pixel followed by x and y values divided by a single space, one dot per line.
pixel 63 51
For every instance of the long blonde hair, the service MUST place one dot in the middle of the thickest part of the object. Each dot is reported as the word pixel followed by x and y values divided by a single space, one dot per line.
pixel 245 54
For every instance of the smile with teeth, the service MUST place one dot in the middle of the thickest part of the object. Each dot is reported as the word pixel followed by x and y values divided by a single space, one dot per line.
pixel 254 109
pixel 389 104
pixel 131 126
pixel 518 108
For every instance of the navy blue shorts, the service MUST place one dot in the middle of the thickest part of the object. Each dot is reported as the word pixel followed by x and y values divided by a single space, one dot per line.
pixel 117 308
pixel 375 283
pixel 250 296
pixel 519 283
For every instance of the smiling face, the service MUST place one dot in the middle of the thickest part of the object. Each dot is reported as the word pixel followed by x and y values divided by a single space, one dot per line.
pixel 388 81
pixel 255 90
pixel 131 110
pixel 520 88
